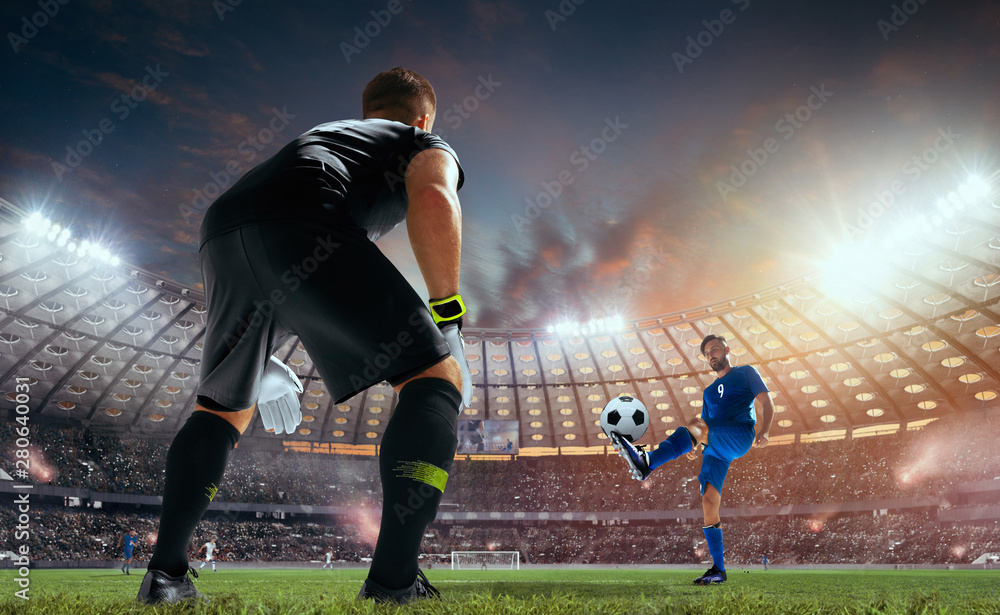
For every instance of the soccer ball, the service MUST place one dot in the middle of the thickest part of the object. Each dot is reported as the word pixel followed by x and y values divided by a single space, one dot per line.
pixel 627 416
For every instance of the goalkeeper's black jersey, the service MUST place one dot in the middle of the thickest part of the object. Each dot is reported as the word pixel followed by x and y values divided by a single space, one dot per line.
pixel 349 171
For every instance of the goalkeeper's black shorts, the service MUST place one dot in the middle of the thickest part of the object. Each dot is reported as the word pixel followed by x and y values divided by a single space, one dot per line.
pixel 358 318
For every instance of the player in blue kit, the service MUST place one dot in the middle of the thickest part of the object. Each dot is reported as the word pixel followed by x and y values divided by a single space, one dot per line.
pixel 130 542
pixel 727 431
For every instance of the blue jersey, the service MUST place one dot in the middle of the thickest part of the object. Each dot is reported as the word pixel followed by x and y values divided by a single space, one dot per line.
pixel 728 401
pixel 130 542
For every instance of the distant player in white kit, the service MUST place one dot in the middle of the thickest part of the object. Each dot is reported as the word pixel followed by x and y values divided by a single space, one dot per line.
pixel 329 560
pixel 209 548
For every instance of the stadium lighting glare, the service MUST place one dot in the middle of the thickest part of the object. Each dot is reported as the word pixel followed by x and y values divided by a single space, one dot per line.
pixel 37 224
pixel 62 238
pixel 945 208
pixel 847 268
pixel 974 189
pixel 569 328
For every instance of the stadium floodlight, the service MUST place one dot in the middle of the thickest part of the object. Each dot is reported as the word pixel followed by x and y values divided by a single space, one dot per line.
pixel 37 224
pixel 53 232
pixel 975 189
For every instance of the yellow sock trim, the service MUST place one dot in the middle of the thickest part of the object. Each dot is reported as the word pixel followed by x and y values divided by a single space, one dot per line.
pixel 423 472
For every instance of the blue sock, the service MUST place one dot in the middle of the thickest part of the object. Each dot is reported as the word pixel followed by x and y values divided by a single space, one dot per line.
pixel 673 447
pixel 714 537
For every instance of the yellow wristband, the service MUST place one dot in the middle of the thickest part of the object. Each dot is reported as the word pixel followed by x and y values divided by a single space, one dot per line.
pixel 447 309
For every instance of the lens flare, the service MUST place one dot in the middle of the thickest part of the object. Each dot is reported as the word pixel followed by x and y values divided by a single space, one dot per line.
pixel 927 458
pixel 366 522
pixel 38 467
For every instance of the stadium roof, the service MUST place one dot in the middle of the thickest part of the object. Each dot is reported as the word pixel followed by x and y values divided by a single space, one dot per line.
pixel 900 328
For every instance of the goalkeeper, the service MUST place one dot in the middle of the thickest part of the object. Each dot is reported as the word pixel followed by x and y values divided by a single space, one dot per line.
pixel 288 250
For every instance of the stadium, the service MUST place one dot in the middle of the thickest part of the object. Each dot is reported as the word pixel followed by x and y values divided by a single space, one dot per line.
pixel 879 489
pixel 884 452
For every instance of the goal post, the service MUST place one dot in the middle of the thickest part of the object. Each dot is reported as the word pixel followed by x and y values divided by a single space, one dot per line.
pixel 485 560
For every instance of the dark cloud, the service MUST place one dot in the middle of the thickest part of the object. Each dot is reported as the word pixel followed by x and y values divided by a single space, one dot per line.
pixel 643 229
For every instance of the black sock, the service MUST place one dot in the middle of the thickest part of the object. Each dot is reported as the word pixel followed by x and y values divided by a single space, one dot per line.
pixel 196 462
pixel 418 448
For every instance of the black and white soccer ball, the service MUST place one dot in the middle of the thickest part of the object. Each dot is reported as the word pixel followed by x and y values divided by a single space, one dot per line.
pixel 627 416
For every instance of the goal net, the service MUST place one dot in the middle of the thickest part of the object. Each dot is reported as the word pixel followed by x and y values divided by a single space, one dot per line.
pixel 485 560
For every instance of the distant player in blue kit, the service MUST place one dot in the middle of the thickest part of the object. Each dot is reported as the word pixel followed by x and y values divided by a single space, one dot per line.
pixel 130 542
pixel 727 432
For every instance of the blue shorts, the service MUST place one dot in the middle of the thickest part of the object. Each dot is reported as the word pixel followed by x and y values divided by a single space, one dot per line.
pixel 128 554
pixel 724 445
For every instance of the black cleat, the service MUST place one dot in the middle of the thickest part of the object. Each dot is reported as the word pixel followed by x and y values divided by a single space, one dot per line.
pixel 712 576
pixel 159 588
pixel 420 590
pixel 637 460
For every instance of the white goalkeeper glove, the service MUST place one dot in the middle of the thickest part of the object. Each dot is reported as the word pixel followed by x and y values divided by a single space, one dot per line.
pixel 447 315
pixel 278 401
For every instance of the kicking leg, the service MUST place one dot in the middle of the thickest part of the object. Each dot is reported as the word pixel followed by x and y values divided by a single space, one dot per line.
pixel 678 443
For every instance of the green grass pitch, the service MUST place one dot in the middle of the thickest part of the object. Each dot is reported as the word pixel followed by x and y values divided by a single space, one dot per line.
pixel 530 592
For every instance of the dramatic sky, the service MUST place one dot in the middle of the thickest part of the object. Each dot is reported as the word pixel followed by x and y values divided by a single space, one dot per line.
pixel 602 141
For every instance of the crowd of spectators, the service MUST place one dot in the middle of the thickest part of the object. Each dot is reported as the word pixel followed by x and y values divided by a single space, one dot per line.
pixel 904 538
pixel 931 461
